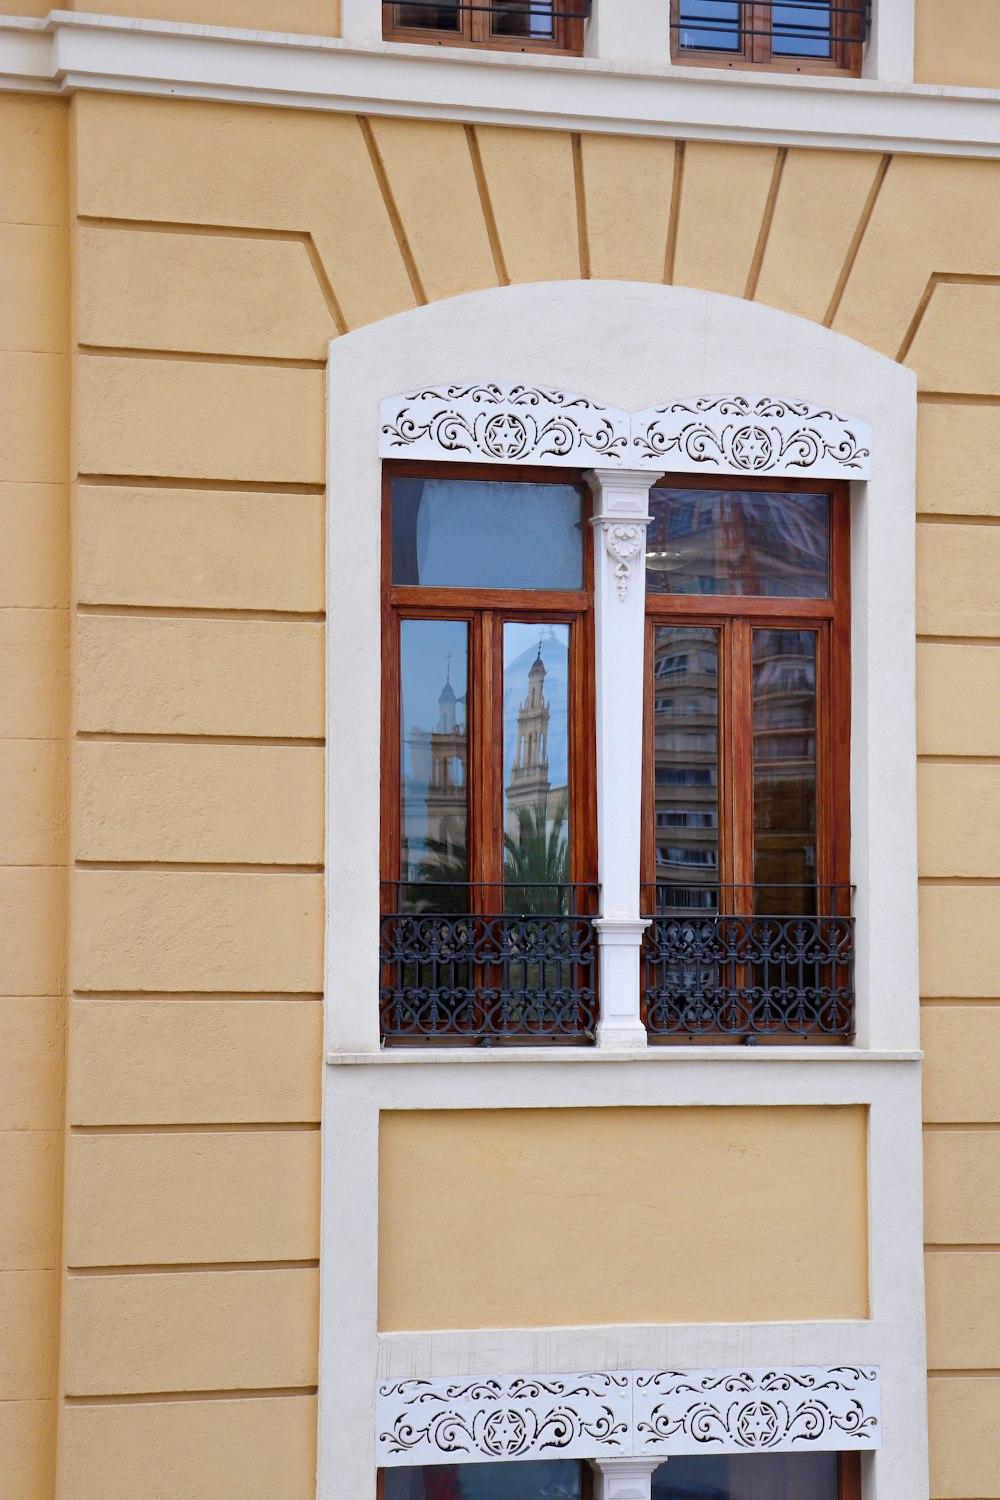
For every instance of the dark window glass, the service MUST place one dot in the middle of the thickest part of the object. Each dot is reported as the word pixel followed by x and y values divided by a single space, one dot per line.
pixel 440 17
pixel 486 534
pixel 527 18
pixel 784 769
pixel 686 766
pixel 745 542
pixel 433 660
pixel 548 1479
pixel 710 24
pixel 802 28
pixel 755 1476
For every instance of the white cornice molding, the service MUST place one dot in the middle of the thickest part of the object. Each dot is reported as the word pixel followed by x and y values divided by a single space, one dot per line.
pixel 70 51
pixel 523 423
pixel 628 1413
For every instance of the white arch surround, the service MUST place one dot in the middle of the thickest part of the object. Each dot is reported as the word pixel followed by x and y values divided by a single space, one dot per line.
pixel 636 348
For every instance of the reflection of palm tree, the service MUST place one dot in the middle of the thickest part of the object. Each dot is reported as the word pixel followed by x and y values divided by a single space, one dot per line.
pixel 535 869
pixel 536 862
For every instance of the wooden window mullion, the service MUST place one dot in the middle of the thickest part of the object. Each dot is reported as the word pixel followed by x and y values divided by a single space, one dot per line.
pixel 740 700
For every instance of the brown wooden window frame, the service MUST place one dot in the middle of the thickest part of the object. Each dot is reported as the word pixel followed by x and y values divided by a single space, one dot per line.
pixel 756 50
pixel 474 29
pixel 736 616
pixel 487 611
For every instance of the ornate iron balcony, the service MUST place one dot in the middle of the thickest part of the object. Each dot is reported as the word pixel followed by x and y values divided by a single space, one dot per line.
pixel 743 963
pixel 487 963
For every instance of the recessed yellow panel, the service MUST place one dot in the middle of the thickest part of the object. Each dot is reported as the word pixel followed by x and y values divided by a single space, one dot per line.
pixel 533 1218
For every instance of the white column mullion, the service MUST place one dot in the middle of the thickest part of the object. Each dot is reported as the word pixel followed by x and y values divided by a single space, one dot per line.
pixel 621 500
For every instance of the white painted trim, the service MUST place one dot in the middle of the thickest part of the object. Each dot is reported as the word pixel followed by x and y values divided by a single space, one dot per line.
pixel 73 51
pixel 626 343
pixel 889 53
pixel 353 1357
pixel 616 1415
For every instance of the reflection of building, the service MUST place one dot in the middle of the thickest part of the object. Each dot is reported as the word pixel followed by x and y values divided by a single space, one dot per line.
pixel 531 801
pixel 686 708
pixel 744 542
pixel 447 781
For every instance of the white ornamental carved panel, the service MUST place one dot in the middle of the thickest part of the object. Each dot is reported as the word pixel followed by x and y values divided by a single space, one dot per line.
pixel 751 435
pixel 628 1414
pixel 496 423
pixel 774 1410
pixel 509 1417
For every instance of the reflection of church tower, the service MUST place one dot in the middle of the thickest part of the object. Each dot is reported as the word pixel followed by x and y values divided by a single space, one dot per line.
pixel 447 779
pixel 529 778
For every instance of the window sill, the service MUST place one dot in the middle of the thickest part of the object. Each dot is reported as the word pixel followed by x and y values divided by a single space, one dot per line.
pixel 71 51
pixel 563 1056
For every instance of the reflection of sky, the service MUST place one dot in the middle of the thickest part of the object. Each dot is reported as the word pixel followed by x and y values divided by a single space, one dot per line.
pixel 474 533
pixel 520 647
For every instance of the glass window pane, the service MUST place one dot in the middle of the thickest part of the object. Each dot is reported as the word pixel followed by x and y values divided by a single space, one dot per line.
pixel 444 16
pixel 752 1476
pixel 711 24
pixel 536 764
pixel 434 752
pixel 525 18
pixel 487 534
pixel 784 769
pixel 547 1479
pixel 747 542
pixel 686 767
pixel 802 28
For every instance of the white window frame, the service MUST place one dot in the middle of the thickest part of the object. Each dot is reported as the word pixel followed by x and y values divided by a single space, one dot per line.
pixel 634 346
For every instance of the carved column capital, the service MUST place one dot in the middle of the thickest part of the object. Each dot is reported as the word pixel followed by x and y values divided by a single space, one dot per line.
pixel 624 1478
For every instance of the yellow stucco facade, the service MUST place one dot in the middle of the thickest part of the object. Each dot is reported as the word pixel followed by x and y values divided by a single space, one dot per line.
pixel 171 273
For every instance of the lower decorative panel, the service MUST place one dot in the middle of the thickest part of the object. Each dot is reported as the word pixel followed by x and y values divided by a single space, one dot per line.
pixel 628 1413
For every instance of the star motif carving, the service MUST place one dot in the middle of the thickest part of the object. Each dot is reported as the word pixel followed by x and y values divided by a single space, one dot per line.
pixel 752 448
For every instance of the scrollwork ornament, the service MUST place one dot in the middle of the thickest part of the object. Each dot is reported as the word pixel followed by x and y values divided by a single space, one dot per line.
pixel 622 542
pixel 752 435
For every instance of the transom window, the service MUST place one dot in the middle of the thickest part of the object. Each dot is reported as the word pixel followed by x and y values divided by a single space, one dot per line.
pixel 487 819
pixel 520 25
pixel 756 1476
pixel 746 835
pixel 787 35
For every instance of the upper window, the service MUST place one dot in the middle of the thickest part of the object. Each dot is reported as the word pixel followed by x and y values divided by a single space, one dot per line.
pixel 487 818
pixel 518 25
pixel 747 832
pixel 805 36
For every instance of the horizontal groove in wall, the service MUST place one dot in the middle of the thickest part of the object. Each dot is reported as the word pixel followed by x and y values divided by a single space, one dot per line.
pixel 958 760
pixel 958 640
pixel 186 482
pixel 963 1127
pixel 945 1000
pixel 108 737
pixel 180 226
pixel 199 867
pixel 975 1374
pixel 974 881
pixel 151 1397
pixel 240 1127
pixel 195 1268
pixel 190 612
pixel 126 996
pixel 962 1249
pixel 958 398
pixel 191 356
pixel 940 518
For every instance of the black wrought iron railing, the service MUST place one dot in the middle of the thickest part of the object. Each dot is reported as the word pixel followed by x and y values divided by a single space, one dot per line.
pixel 774 30
pixel 487 964
pixel 748 963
